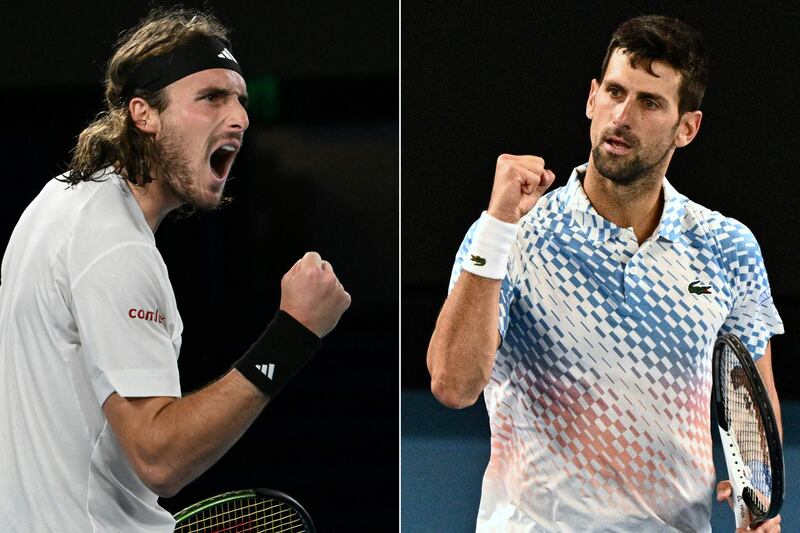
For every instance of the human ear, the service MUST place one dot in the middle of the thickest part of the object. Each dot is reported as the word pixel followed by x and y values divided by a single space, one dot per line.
pixel 590 101
pixel 688 128
pixel 144 116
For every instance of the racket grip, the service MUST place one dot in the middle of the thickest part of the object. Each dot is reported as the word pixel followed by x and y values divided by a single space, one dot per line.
pixel 733 461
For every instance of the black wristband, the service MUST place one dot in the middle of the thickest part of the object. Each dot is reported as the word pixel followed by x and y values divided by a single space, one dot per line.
pixel 278 354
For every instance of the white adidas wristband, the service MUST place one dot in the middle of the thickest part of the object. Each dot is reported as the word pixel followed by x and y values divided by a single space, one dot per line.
pixel 488 252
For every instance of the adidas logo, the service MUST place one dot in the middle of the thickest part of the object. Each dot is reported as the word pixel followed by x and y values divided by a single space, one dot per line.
pixel 267 370
pixel 225 54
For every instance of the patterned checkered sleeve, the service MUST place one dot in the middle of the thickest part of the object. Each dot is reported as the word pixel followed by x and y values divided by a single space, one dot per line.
pixel 754 318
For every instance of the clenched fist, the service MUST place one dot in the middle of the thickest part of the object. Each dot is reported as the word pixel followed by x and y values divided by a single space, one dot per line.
pixel 313 296
pixel 519 182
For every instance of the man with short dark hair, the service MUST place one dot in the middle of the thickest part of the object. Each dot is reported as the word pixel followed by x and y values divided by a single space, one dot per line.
pixel 596 364
pixel 93 426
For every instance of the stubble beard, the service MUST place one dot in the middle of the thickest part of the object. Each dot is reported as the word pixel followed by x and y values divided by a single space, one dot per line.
pixel 175 171
pixel 627 170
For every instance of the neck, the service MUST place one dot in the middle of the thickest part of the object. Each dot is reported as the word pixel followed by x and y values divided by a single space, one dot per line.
pixel 155 201
pixel 636 205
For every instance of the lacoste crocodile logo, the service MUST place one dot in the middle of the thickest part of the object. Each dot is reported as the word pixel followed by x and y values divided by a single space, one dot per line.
pixel 696 287
pixel 478 260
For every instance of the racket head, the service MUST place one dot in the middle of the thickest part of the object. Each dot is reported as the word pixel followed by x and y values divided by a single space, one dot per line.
pixel 745 414
pixel 252 510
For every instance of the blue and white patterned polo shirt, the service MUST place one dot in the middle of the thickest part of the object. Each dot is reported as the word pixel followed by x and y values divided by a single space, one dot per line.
pixel 599 396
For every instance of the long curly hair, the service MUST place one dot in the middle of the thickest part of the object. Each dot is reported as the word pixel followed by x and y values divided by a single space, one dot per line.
pixel 112 139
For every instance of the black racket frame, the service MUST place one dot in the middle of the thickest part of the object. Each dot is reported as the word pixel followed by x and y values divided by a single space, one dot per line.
pixel 763 405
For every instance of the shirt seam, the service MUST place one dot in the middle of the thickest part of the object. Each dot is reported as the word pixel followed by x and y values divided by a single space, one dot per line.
pixel 102 256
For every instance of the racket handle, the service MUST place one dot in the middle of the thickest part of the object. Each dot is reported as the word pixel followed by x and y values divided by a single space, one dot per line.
pixel 742 514
pixel 738 482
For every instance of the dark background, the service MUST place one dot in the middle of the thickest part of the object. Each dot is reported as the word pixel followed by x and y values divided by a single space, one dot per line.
pixel 480 80
pixel 318 171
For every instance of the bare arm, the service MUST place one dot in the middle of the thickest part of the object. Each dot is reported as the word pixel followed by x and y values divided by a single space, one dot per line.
pixel 764 365
pixel 462 349
pixel 170 441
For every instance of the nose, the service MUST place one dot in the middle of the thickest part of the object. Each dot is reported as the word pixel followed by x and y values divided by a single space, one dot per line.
pixel 238 119
pixel 622 112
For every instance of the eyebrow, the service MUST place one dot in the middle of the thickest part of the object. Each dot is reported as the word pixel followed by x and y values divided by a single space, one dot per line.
pixel 244 99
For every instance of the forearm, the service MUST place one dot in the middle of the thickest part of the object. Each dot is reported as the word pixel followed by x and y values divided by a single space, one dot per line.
pixel 463 345
pixel 183 437
pixel 776 408
pixel 195 431
pixel 169 442
pixel 764 366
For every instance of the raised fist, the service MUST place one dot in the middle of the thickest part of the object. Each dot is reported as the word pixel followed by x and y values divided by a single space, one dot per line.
pixel 519 182
pixel 312 294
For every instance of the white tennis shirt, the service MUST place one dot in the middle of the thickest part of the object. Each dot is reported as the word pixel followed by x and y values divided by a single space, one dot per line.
pixel 86 309
pixel 599 399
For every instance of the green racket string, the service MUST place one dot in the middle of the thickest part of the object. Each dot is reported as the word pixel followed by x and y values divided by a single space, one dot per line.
pixel 244 515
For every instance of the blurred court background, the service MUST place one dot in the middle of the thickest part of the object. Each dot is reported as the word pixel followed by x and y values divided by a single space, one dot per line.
pixel 480 79
pixel 318 171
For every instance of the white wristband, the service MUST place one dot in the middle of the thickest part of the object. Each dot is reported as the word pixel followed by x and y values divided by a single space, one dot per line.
pixel 488 252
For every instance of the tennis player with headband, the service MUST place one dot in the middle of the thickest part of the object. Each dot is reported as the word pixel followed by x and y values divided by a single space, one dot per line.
pixel 596 364
pixel 93 426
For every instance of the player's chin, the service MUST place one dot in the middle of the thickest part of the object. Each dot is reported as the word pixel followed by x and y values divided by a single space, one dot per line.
pixel 209 200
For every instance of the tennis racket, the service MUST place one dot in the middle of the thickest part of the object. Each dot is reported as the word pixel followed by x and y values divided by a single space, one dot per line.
pixel 749 434
pixel 253 511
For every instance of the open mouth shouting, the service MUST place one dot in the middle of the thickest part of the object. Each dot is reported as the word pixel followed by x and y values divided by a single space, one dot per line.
pixel 222 157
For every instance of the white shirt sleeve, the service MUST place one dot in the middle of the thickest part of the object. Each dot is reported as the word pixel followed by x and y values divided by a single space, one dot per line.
pixel 128 323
